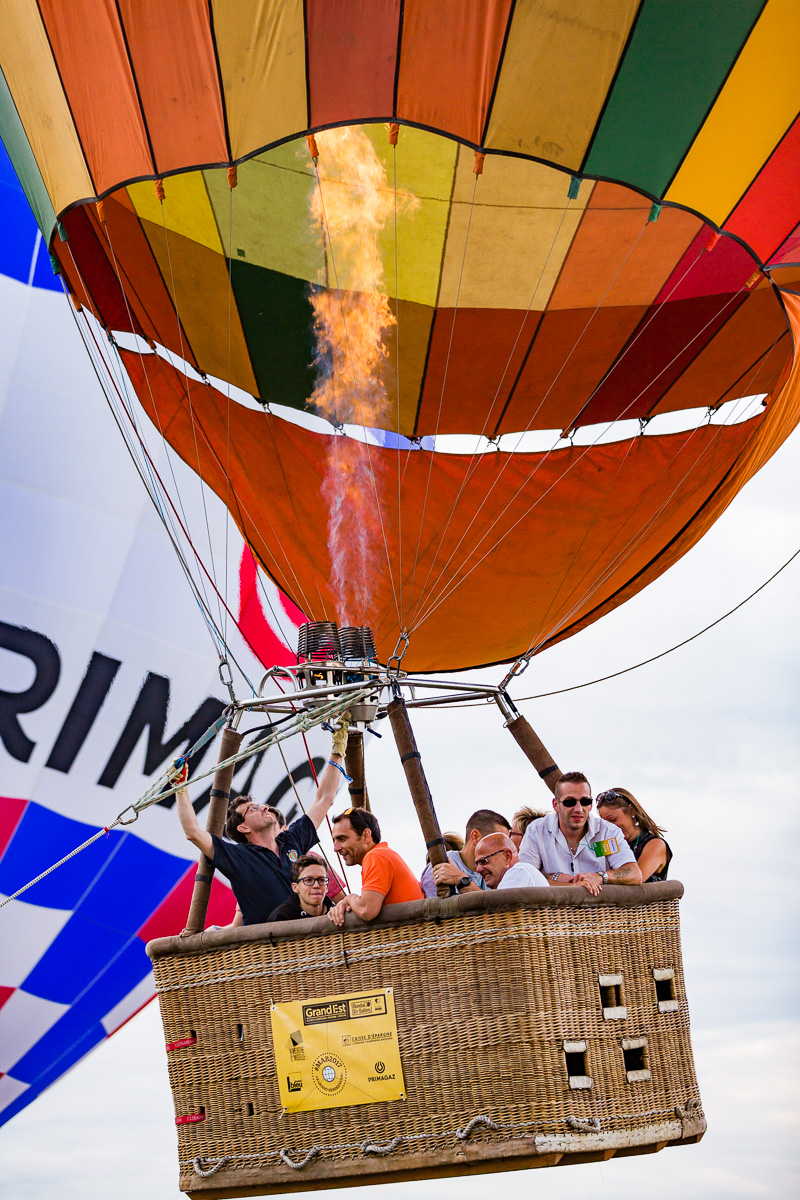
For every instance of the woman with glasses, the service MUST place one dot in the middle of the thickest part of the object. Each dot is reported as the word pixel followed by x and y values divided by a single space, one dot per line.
pixel 309 891
pixel 621 808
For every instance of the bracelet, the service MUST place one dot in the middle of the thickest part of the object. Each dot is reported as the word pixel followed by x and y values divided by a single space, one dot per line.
pixel 554 876
pixel 339 767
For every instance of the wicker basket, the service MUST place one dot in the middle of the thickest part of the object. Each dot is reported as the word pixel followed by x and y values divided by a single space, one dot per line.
pixel 535 1026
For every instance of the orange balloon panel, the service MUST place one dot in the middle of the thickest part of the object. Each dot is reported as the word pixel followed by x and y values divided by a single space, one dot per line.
pixel 478 559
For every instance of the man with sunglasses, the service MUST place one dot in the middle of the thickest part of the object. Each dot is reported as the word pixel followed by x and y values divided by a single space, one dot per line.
pixel 573 846
pixel 309 887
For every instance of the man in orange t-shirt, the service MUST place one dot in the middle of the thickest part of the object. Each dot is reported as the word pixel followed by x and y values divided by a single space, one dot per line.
pixel 385 878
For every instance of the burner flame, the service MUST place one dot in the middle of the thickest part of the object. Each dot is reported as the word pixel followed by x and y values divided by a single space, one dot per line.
pixel 352 320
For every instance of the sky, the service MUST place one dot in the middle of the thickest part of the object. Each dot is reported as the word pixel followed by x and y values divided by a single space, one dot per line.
pixel 706 738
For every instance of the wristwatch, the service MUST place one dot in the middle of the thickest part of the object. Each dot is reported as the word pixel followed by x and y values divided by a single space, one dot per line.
pixel 463 882
pixel 603 875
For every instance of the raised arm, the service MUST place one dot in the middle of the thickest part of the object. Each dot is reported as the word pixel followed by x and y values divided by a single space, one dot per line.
pixel 191 827
pixel 332 775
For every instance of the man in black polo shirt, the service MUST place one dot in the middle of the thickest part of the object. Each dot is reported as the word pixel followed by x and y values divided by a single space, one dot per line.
pixel 259 862
pixel 309 885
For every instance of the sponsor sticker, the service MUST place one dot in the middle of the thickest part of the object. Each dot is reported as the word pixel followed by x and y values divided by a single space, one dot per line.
pixel 337 1050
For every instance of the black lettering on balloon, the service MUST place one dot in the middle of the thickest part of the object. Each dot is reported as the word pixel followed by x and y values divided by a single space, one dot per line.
pixel 45 657
pixel 150 713
pixel 88 701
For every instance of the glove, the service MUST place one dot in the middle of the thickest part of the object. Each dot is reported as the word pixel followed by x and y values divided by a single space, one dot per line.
pixel 340 734
pixel 178 776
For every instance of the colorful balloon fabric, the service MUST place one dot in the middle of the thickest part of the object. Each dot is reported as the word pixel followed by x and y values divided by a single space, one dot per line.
pixel 547 253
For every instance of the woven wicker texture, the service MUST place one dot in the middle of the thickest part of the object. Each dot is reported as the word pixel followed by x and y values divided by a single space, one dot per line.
pixel 485 1001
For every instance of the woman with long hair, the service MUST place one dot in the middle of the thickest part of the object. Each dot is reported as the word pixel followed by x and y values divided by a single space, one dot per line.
pixel 640 831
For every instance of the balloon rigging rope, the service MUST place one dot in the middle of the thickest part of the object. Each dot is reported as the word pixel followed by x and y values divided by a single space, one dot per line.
pixel 576 687
pixel 356 388
pixel 449 588
pixel 636 540
pixel 152 490
pixel 476 456
pixel 195 423
pixel 397 386
pixel 228 397
pixel 148 469
pixel 220 633
pixel 179 323
pixel 126 402
pixel 290 496
pixel 655 657
pixel 577 342
pixel 420 616
pixel 162 787
pixel 444 380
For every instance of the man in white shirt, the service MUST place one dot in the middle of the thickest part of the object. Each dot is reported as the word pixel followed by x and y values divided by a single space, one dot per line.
pixel 497 862
pixel 573 846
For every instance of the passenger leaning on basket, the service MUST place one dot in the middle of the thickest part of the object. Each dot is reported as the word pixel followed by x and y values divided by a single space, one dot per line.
pixel 568 844
pixel 385 877
pixel 497 861
pixel 621 808
pixel 309 887
pixel 460 872
pixel 259 863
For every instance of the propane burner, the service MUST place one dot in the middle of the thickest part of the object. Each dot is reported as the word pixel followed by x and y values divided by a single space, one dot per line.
pixel 328 656
pixel 318 642
pixel 358 645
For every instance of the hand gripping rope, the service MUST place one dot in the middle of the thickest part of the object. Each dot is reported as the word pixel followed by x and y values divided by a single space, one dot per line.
pixel 165 785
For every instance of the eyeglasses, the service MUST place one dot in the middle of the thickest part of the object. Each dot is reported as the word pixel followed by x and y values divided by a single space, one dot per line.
pixel 585 802
pixel 481 862
pixel 313 881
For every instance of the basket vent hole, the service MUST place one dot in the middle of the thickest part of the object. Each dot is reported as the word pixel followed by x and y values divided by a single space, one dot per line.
pixel 611 996
pixel 576 1063
pixel 634 1059
pixel 577 1069
pixel 664 980
pixel 665 989
pixel 634 1051
pixel 612 1000
pixel 240 1033
pixel 249 1109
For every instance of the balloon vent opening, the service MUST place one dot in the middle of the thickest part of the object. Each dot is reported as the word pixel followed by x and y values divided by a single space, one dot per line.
pixel 318 642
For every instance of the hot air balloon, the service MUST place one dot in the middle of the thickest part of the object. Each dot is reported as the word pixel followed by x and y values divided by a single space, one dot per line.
pixel 475 317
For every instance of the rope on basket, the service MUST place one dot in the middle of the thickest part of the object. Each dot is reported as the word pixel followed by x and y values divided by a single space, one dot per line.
pixel 587 1125
pixel 298 1166
pixel 463 1134
pixel 692 1106
pixel 374 1148
pixel 199 1170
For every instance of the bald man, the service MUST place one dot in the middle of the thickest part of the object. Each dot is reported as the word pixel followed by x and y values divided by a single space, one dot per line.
pixel 497 862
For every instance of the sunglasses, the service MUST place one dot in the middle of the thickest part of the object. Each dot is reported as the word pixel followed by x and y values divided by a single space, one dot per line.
pixel 585 802
pixel 604 797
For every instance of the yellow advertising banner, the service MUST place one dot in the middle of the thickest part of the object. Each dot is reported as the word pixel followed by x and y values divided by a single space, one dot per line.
pixel 337 1050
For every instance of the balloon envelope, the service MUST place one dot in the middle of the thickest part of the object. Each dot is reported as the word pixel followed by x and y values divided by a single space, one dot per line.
pixel 600 309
